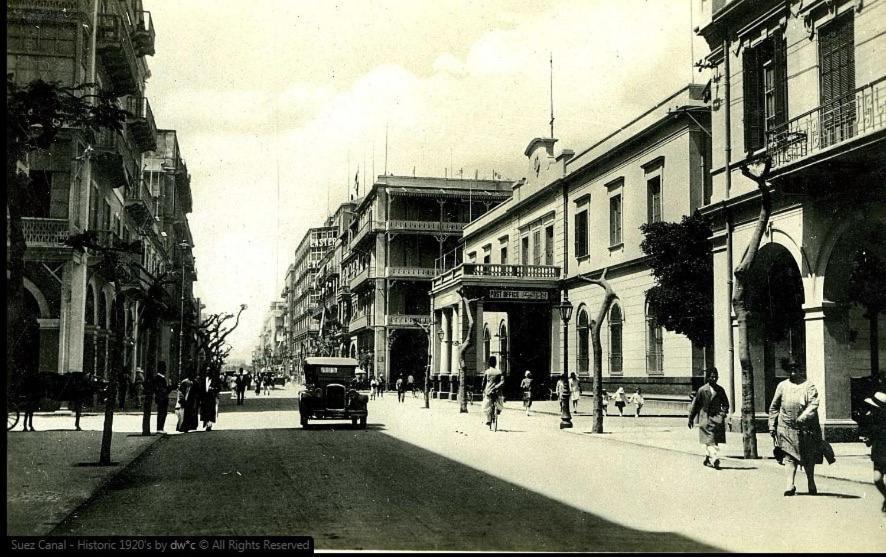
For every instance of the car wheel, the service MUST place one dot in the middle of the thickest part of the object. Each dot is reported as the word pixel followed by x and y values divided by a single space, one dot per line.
pixel 353 421
pixel 363 422
pixel 304 422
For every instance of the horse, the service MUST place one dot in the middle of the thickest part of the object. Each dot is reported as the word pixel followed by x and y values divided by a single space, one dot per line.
pixel 75 388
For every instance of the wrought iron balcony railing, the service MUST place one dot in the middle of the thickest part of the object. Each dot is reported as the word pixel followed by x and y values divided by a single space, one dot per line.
pixel 513 272
pixel 45 232
pixel 141 123
pixel 143 35
pixel 118 55
pixel 853 115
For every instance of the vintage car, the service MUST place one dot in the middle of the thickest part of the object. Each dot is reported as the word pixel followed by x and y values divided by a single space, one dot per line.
pixel 329 393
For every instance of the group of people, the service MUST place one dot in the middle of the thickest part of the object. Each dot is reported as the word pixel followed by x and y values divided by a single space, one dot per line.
pixel 197 401
pixel 377 387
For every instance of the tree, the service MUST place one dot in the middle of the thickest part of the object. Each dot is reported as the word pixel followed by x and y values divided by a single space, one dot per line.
pixel 465 344
pixel 741 307
pixel 211 334
pixel 609 297
pixel 680 259
pixel 35 115
pixel 867 289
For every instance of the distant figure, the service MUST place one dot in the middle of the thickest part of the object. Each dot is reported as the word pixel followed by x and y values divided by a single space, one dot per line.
pixel 240 384
pixel 373 388
pixel 620 400
pixel 401 389
pixel 208 388
pixel 493 381
pixel 266 383
pixel 711 405
pixel 873 433
pixel 637 399
pixel 574 390
pixel 161 395
pixel 258 380
pixel 605 403
pixel 410 384
pixel 526 389
pixel 138 386
pixel 381 387
pixel 186 406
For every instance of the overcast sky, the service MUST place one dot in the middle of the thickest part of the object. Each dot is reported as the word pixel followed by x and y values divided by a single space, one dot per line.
pixel 306 88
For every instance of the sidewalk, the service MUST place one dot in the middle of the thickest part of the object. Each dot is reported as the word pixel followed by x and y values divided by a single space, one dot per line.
pixel 671 433
pixel 49 474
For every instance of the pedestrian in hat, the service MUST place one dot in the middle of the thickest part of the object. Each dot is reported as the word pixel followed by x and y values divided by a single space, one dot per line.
pixel 794 426
pixel 873 433
pixel 711 406
pixel 161 395
pixel 526 388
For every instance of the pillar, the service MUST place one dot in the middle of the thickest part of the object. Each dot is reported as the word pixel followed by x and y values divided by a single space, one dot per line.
pixel 479 354
pixel 814 318
pixel 443 364
pixel 72 315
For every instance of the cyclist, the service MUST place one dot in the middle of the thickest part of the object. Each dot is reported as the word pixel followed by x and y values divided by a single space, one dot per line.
pixel 493 381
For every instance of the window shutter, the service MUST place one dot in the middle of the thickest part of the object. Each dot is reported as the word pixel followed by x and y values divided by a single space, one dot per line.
pixel 780 67
pixel 753 112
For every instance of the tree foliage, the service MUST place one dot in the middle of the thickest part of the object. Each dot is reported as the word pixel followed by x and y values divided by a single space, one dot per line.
pixel 212 333
pixel 682 299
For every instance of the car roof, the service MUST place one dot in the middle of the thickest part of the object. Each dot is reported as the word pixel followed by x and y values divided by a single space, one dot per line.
pixel 330 361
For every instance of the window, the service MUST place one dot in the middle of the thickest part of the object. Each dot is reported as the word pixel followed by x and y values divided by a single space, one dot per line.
pixel 615 340
pixel 524 250
pixel 615 220
pixel 487 344
pixel 487 253
pixel 106 216
pixel 503 253
pixel 764 71
pixel 583 342
pixel 836 45
pixel 653 199
pixel 536 247
pixel 39 193
pixel 503 348
pixel 549 245
pixel 654 345
pixel 581 233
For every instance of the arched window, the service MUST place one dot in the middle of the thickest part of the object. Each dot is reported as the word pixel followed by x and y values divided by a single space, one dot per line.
pixel 503 347
pixel 486 344
pixel 615 340
pixel 583 342
pixel 654 345
pixel 90 306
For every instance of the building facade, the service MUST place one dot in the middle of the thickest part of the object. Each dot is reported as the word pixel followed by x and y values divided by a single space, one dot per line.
pixel 110 183
pixel 802 85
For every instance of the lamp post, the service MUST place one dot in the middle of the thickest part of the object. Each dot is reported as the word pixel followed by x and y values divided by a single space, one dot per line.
pixel 565 309
pixel 181 316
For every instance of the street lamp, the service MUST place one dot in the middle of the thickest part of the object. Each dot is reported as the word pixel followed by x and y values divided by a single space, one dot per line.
pixel 565 308
pixel 181 317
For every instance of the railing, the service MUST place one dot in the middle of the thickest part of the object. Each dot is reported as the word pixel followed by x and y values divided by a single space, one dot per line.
pixel 401 320
pixel 113 39
pixel 359 321
pixel 113 142
pixel 143 121
pixel 363 275
pixel 143 35
pixel 66 6
pixel 44 231
pixel 545 272
pixel 425 226
pixel 364 230
pixel 410 272
pixel 853 115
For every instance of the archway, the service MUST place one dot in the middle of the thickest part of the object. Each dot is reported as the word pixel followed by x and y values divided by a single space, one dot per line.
pixel 776 329
pixel 28 345
pixel 503 347
pixel 408 356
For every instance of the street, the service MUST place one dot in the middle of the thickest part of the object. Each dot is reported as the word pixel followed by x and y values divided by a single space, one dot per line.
pixel 437 479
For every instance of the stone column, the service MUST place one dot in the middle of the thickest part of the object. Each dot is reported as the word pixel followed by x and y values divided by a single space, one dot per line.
pixel 444 361
pixel 815 355
pixel 73 315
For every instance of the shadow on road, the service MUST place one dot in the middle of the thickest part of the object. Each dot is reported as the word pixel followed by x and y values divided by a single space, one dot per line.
pixel 259 404
pixel 348 489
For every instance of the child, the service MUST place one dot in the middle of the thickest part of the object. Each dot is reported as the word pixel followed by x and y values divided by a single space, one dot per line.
pixel 637 398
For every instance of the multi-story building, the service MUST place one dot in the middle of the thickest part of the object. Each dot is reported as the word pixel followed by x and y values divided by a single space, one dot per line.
pixel 271 350
pixel 96 183
pixel 802 85
pixel 577 215
pixel 401 227
pixel 301 294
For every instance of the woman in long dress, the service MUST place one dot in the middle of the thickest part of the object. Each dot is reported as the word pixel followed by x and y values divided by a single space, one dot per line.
pixel 794 426
pixel 574 391
pixel 186 406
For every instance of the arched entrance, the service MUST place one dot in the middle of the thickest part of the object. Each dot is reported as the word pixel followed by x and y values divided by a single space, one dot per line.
pixel 28 346
pixel 409 356
pixel 776 329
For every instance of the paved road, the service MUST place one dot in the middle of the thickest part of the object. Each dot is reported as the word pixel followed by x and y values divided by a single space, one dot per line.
pixel 419 479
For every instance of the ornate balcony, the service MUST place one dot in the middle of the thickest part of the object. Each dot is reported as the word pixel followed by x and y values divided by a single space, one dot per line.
pixel 365 230
pixel 359 321
pixel 117 54
pixel 426 273
pixel 529 275
pixel 828 128
pixel 405 321
pixel 363 276
pixel 139 202
pixel 45 232
pixel 115 158
pixel 141 123
pixel 143 35
pixel 425 226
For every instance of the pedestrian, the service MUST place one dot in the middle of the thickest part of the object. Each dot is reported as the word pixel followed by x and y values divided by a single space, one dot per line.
pixel 373 388
pixel 138 386
pixel 526 388
pixel 240 383
pixel 637 399
pixel 620 400
pixel 794 426
pixel 711 406
pixel 410 384
pixel 574 390
pixel 266 383
pixel 873 433
pixel 493 381
pixel 381 387
pixel 161 395
pixel 401 389
pixel 563 393
pixel 186 407
pixel 605 403
pixel 258 380
pixel 208 389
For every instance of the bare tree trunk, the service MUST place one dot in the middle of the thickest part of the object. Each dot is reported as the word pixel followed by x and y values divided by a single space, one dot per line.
pixel 114 370
pixel 608 298
pixel 465 344
pixel 427 385
pixel 739 304
pixel 873 316
pixel 148 391
pixel 15 267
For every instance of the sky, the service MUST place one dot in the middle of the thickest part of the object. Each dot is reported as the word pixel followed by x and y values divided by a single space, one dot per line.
pixel 279 103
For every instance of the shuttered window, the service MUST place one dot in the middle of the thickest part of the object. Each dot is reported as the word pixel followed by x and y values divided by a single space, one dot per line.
pixel 536 247
pixel 836 45
pixel 549 245
pixel 764 72
pixel 615 220
pixel 581 234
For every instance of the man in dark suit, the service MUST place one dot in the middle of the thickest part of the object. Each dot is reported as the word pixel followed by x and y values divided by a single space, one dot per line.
pixel 240 384
pixel 161 395
pixel 208 388
pixel 711 405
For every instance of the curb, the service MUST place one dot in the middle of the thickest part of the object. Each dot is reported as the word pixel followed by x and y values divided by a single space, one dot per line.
pixel 102 487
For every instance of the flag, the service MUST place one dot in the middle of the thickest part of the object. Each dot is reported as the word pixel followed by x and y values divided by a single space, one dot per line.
pixel 357 183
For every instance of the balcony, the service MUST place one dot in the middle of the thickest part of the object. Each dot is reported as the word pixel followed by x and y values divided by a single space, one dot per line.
pixel 364 232
pixel 425 273
pixel 343 293
pixel 359 321
pixel 486 273
pixel 117 54
pixel 141 123
pixel 407 321
pixel 138 203
pixel 361 277
pixel 115 158
pixel 829 129
pixel 143 35
pixel 45 232
pixel 425 226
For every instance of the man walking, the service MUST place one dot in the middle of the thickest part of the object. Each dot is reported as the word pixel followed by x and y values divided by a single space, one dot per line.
pixel 208 389
pixel 240 383
pixel 161 395
pixel 401 389
pixel 410 384
pixel 711 405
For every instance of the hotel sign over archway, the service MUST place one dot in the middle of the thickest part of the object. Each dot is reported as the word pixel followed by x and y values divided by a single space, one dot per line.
pixel 519 295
